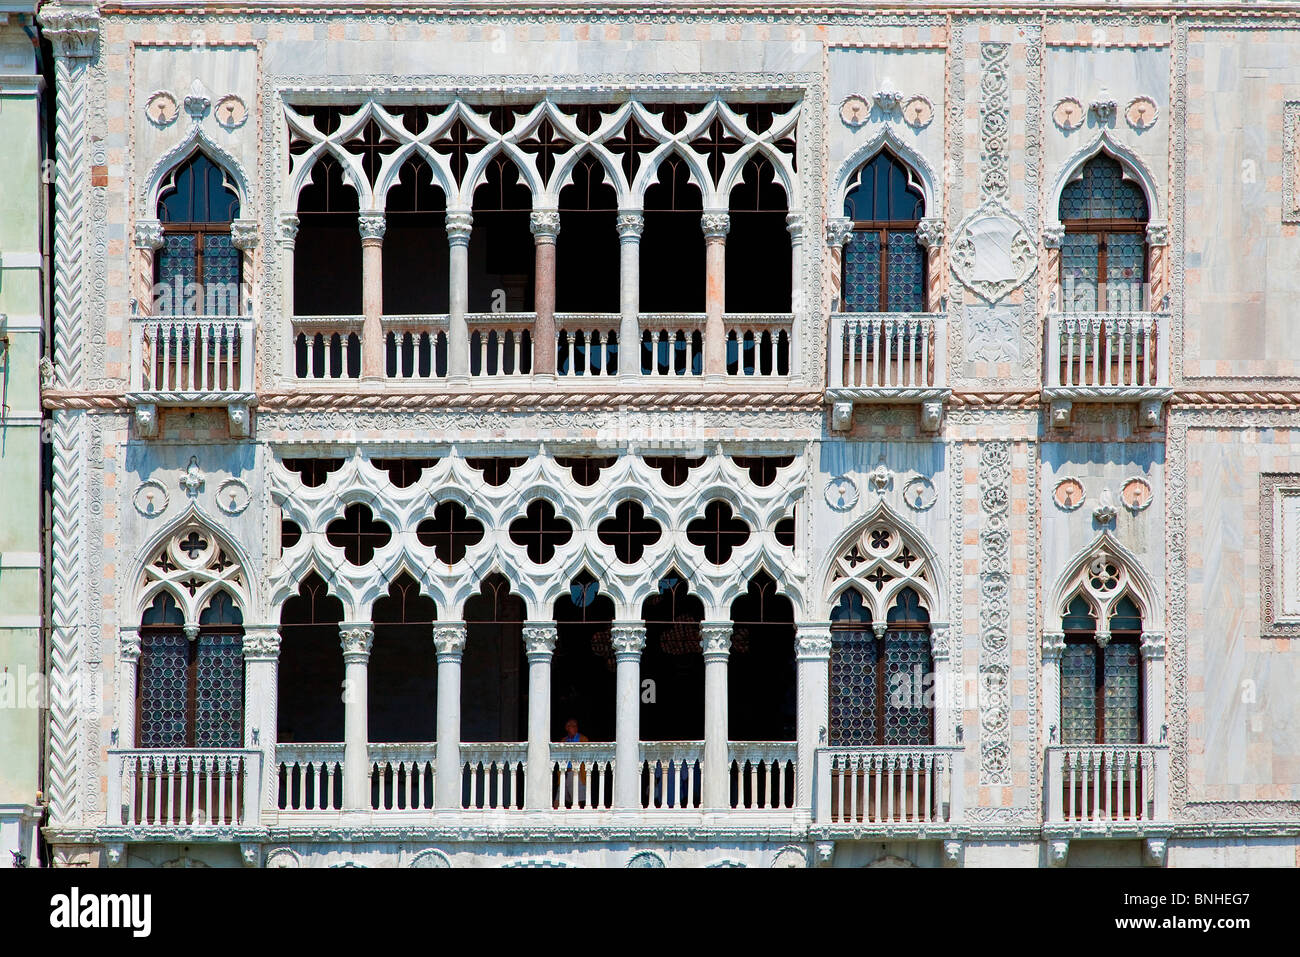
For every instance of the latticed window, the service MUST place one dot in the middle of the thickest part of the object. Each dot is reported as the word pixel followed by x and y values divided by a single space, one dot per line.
pixel 884 265
pixel 198 268
pixel 1103 253
pixel 881 687
pixel 1101 684
pixel 190 691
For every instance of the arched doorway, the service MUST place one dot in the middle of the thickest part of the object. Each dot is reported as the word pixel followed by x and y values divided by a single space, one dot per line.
pixel 494 670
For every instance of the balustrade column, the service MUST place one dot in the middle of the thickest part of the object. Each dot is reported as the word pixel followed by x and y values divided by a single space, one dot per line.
pixel 812 676
pixel 1053 649
pixel 929 234
pixel 261 690
pixel 545 226
pixel 630 225
pixel 449 641
pixel 356 639
pixel 539 642
pixel 372 227
pixel 798 303
pixel 716 224
pixel 715 641
pixel 628 639
pixel 128 640
pixel 839 230
pixel 460 223
pixel 1153 678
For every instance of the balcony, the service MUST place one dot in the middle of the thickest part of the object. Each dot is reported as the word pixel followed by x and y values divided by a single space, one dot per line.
pixel 160 789
pixel 191 362
pixel 588 347
pixel 864 793
pixel 1107 357
pixel 1107 791
pixel 887 358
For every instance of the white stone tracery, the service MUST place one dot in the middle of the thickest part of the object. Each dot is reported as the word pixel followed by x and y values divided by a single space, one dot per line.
pixel 880 557
pixel 192 562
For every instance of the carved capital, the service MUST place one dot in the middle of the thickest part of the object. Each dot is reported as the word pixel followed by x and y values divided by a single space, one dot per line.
pixel 148 234
pixel 939 631
pixel 813 642
pixel 1053 236
pixel 371 226
pixel 839 230
pixel 449 640
pixel 262 644
pixel 544 224
pixel 1153 645
pixel 286 228
pixel 539 639
pixel 715 639
pixel 1158 234
pixel 794 226
pixel 243 234
pixel 460 224
pixel 630 225
pixel 128 639
pixel 1053 645
pixel 73 29
pixel 355 638
pixel 191 630
pixel 715 224
pixel 628 639
pixel 929 233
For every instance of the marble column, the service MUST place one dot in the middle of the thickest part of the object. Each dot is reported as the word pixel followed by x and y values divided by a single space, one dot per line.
pixel 940 654
pixel 715 642
pixel 1050 288
pixel 716 224
pixel 286 235
pixel 1153 679
pixel 1158 280
pixel 539 642
pixel 798 301
pixel 128 640
pixel 244 236
pixel 372 227
pixel 261 696
pixel 812 674
pixel 631 222
pixel 545 226
pixel 929 233
pixel 839 230
pixel 1053 649
pixel 356 639
pixel 148 240
pixel 460 222
pixel 628 638
pixel 449 641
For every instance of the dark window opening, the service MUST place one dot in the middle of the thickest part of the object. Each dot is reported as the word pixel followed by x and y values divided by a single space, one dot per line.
pixel 494 669
pixel 715 145
pixel 674 116
pixel 547 145
pixel 540 531
pixel 583 668
pixel 763 468
pixel 372 144
pixel 402 673
pixel 585 471
pixel 198 271
pixel 310 676
pixel 290 533
pixel 718 532
pixel 462 146
pixel 327 251
pixel 450 533
pixel 415 251
pixel 496 471
pixel 587 249
pixel 761 686
pixel 404 472
pixel 501 256
pixel 672 242
pixel 630 146
pixel 784 530
pixel 629 532
pixel 673 660
pixel 358 533
pixel 1104 252
pixel 674 469
pixel 313 472
pixel 758 243
pixel 1101 687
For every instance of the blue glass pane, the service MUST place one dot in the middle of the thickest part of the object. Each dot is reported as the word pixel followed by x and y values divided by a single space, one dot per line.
pixel 1079 694
pixel 219 692
pixel 163 684
pixel 220 275
pixel 862 273
pixel 177 274
pixel 1122 694
pixel 1102 193
pixel 907 713
pixel 853 689
pixel 1079 264
pixel 905 272
pixel 1126 271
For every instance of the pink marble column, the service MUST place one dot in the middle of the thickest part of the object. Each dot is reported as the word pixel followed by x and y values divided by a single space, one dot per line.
pixel 929 233
pixel 372 294
pixel 715 225
pixel 545 225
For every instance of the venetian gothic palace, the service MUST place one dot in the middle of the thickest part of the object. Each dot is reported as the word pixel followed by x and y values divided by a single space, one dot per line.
pixel 686 435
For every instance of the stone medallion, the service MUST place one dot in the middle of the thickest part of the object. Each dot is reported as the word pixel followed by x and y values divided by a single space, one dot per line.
pixel 150 499
pixel 993 252
pixel 919 494
pixel 841 493
pixel 1141 113
pixel 854 111
pixel 1068 494
pixel 161 109
pixel 1136 495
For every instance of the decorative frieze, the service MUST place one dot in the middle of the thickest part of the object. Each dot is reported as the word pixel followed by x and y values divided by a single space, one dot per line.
pixel 995 613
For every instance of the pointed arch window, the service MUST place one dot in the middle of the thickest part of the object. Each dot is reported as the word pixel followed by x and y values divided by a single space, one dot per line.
pixel 190 690
pixel 1104 251
pixel 884 265
pixel 1101 675
pixel 198 270
pixel 882 673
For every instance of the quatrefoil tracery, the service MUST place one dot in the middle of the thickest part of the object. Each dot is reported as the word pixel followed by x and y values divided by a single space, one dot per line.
pixel 192 566
pixel 879 564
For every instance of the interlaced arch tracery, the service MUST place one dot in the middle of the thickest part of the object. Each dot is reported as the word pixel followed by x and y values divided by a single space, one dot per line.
pixel 193 564
pixel 881 561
